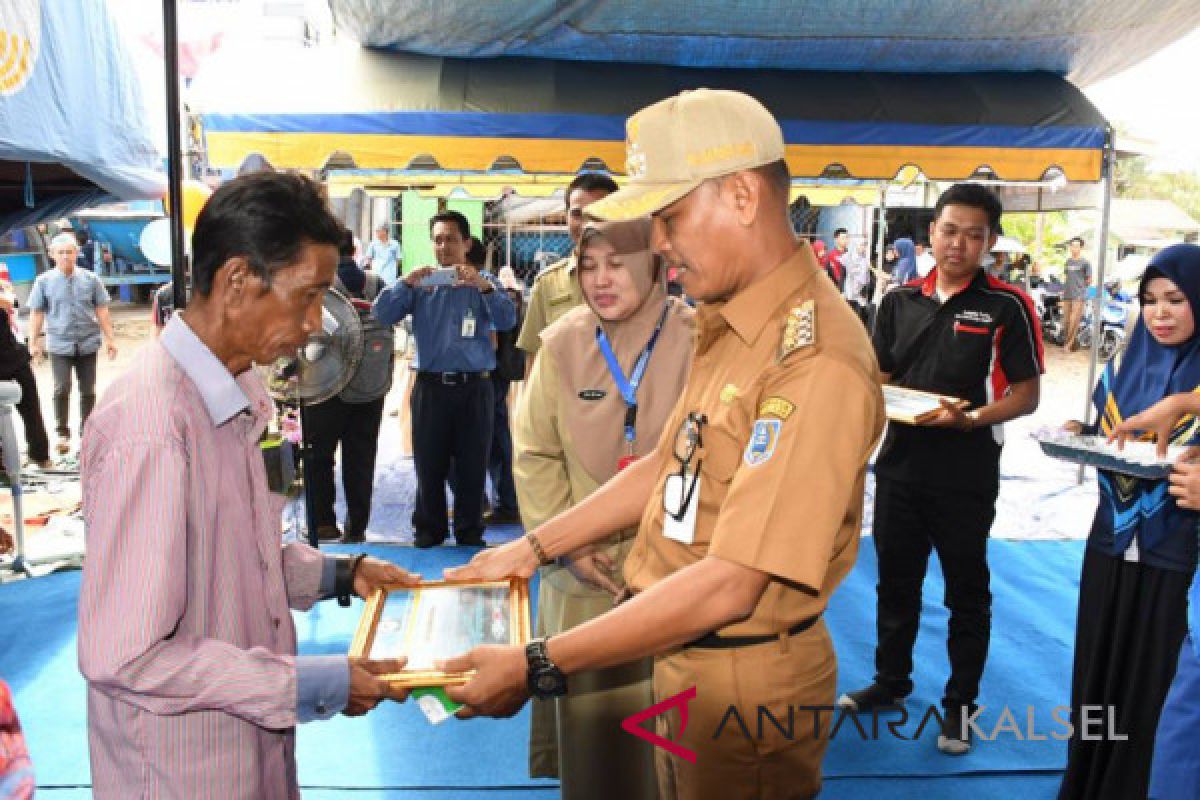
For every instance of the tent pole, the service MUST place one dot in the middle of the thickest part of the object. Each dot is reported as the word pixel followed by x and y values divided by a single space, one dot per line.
pixel 881 227
pixel 1101 259
pixel 174 154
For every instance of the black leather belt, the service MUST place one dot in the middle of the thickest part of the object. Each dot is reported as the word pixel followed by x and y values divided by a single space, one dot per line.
pixel 453 378
pixel 712 641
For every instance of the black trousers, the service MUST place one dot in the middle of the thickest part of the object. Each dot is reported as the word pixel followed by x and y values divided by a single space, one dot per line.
pixel 450 422
pixel 85 371
pixel 30 409
pixel 501 451
pixel 354 426
pixel 910 521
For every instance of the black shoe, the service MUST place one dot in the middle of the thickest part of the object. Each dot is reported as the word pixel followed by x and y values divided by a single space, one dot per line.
pixel 427 540
pixel 873 697
pixel 328 533
pixel 955 738
pixel 353 538
pixel 502 516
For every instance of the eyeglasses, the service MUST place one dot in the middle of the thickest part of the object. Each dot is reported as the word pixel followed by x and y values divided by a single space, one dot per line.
pixel 689 438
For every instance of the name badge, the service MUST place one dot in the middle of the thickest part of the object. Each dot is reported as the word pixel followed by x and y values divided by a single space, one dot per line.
pixel 468 326
pixel 681 495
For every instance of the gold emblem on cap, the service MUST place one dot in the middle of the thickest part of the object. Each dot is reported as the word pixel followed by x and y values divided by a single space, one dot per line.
pixel 728 393
pixel 799 330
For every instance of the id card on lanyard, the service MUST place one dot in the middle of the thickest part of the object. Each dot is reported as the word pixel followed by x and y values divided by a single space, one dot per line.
pixel 628 386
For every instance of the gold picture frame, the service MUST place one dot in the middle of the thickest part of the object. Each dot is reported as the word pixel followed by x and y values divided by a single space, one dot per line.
pixel 913 406
pixel 439 619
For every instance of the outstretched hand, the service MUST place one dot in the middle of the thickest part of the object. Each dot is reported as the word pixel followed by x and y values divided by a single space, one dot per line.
pixel 497 689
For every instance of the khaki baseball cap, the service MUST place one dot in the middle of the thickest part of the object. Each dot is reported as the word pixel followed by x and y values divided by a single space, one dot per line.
pixel 676 144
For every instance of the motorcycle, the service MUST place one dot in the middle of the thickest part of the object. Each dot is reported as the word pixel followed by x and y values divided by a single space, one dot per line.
pixel 1047 300
pixel 1114 322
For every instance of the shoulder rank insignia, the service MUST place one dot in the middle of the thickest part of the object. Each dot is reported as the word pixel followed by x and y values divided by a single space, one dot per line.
pixel 799 329
pixel 776 407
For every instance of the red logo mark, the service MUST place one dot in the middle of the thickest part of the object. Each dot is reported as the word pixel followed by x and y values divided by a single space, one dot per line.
pixel 633 724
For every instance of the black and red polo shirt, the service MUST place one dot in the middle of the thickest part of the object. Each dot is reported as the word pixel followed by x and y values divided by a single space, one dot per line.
pixel 975 345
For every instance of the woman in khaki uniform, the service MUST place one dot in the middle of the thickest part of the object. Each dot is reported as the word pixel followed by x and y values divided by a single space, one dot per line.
pixel 574 430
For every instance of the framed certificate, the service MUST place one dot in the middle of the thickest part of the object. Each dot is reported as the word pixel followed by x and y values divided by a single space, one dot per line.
pixel 913 406
pixel 438 620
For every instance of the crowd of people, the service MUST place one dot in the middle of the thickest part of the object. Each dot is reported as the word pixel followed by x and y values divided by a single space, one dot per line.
pixel 690 472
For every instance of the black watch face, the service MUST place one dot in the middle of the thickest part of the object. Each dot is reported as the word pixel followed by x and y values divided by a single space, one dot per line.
pixel 547 682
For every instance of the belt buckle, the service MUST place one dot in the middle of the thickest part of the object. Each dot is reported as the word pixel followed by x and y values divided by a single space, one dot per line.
pixel 449 378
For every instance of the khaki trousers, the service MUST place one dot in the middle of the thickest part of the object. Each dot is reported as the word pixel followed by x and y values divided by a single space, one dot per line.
pixel 795 672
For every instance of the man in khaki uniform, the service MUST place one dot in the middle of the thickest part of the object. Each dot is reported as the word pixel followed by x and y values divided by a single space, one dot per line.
pixel 555 290
pixel 750 506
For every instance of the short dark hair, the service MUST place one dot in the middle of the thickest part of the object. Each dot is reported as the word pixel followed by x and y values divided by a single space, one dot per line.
pixel 778 176
pixel 346 246
pixel 455 217
pixel 267 217
pixel 972 195
pixel 1075 239
pixel 476 254
pixel 589 182
pixel 839 232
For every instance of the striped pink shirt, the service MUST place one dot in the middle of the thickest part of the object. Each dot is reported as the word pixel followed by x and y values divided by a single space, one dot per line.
pixel 185 637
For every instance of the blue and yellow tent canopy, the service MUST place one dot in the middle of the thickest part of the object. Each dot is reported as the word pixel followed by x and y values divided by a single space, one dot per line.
pixel 558 116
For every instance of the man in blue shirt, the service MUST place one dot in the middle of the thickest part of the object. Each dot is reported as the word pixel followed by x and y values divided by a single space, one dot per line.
pixel 383 254
pixel 452 397
pixel 73 304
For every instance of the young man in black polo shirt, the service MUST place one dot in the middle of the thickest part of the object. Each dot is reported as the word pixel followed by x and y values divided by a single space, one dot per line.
pixel 961 333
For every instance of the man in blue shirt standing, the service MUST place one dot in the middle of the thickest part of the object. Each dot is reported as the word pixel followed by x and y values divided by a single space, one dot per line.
pixel 383 255
pixel 73 304
pixel 452 397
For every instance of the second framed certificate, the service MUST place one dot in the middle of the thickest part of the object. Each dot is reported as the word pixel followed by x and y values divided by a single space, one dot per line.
pixel 912 406
pixel 438 620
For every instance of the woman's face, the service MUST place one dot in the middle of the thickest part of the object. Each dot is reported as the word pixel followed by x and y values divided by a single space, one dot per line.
pixel 1167 312
pixel 607 285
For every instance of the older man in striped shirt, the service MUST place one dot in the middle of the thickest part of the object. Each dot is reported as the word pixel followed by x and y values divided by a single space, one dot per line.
pixel 185 635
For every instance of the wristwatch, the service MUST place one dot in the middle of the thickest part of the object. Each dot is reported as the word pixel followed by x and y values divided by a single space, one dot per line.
pixel 544 679
pixel 343 577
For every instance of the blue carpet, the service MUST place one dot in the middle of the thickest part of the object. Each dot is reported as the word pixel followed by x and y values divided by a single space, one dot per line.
pixel 1035 588
pixel 394 753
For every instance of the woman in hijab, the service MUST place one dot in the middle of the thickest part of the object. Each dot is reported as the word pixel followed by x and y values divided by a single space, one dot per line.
pixel 604 382
pixel 1141 552
pixel 906 261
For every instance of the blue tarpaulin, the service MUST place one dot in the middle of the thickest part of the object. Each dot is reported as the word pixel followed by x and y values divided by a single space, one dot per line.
pixel 1083 40
pixel 72 125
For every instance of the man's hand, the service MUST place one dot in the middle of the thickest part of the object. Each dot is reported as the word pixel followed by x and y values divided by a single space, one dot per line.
pixel 110 349
pixel 496 563
pixel 366 690
pixel 37 350
pixel 1159 419
pixel 373 573
pixel 1185 481
pixel 498 688
pixel 595 569
pixel 1073 426
pixel 469 276
pixel 951 416
pixel 413 279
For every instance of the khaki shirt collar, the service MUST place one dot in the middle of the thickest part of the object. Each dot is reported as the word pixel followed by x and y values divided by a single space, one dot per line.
pixel 748 311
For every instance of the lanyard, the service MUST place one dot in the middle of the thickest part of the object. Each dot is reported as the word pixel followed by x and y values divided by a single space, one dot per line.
pixel 629 386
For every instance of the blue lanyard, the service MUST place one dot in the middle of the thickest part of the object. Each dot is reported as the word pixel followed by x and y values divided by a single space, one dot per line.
pixel 629 386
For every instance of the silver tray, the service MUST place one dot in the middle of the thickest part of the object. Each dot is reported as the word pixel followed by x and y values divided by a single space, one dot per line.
pixel 1079 453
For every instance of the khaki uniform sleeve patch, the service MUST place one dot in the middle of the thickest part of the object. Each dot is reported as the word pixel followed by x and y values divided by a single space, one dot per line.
pixel 799 329
pixel 776 407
